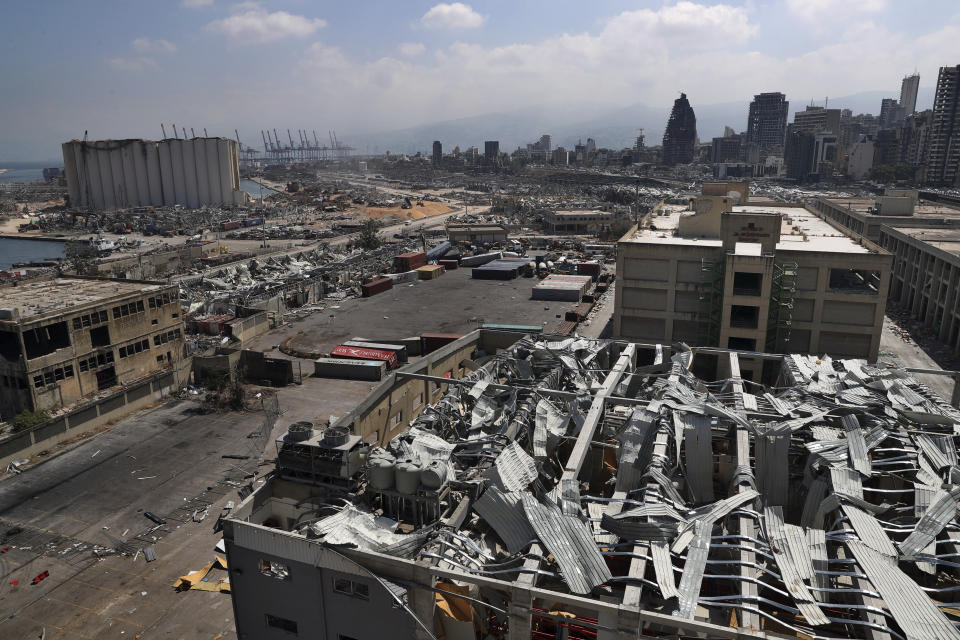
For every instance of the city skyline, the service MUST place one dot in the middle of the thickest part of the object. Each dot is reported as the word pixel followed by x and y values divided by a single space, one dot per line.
pixel 336 67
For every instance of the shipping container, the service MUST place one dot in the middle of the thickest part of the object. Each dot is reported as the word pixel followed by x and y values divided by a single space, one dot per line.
pixel 399 349
pixel 361 353
pixel 448 265
pixel 430 342
pixel 374 287
pixel 591 269
pixel 409 261
pixel 439 251
pixel 412 344
pixel 478 260
pixel 430 272
pixel 566 328
pixel 252 222
pixel 349 369
pixel 233 224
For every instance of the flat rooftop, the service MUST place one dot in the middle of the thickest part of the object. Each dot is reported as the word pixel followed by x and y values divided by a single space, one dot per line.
pixel 923 209
pixel 944 239
pixel 582 212
pixel 37 299
pixel 797 223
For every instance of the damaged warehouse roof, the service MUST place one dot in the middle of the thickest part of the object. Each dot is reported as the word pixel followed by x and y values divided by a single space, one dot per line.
pixel 824 506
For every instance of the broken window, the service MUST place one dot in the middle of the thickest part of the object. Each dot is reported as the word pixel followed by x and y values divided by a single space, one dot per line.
pixel 100 337
pixel 282 623
pixel 9 346
pixel 854 281
pixel 106 378
pixel 273 569
pixel 747 284
pixel 342 585
pixel 742 344
pixel 45 340
pixel 744 317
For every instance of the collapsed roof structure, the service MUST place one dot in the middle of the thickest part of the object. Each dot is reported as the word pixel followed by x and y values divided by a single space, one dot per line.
pixel 601 489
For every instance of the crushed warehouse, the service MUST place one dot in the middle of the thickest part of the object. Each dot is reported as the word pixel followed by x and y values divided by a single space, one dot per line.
pixel 583 488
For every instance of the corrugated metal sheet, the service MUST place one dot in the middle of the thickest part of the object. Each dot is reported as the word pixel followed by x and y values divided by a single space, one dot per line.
pixel 772 468
pixel 788 545
pixel 856 445
pixel 693 569
pixel 515 468
pixel 817 542
pixel 698 445
pixel 663 568
pixel 710 514
pixel 505 515
pixel 914 611
pixel 571 544
pixel 869 530
pixel 943 509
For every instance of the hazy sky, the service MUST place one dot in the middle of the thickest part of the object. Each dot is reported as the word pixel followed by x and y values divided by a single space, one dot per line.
pixel 120 68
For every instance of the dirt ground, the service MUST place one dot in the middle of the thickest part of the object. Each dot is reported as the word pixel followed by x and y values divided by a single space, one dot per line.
pixel 415 213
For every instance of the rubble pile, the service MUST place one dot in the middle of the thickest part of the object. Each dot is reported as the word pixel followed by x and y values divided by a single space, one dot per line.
pixel 824 506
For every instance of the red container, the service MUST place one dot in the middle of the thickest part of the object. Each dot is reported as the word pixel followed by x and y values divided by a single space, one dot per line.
pixel 374 287
pixel 359 353
pixel 448 264
pixel 409 261
pixel 430 342
pixel 234 224
pixel 591 269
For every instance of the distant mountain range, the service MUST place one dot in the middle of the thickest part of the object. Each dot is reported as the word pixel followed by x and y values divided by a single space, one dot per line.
pixel 610 127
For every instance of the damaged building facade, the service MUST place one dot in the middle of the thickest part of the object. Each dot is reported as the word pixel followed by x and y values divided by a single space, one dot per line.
pixel 579 488
pixel 755 277
pixel 119 174
pixel 64 339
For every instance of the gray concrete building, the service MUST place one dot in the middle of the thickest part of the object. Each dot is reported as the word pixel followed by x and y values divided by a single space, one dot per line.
pixel 65 339
pixel 767 120
pixel 943 150
pixel 774 278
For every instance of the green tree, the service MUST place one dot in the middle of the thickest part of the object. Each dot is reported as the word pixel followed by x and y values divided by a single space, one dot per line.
pixel 369 236
pixel 28 419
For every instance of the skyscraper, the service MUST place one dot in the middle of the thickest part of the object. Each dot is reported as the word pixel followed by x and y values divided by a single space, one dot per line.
pixel 680 136
pixel 944 145
pixel 767 120
pixel 890 113
pixel 908 94
pixel 437 152
pixel 491 150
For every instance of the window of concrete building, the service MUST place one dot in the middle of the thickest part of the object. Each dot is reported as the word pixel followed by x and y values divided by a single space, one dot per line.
pixel 100 337
pixel 802 310
pixel 859 313
pixel 688 302
pixel 9 346
pixel 106 378
pixel 853 281
pixel 417 400
pixel 646 299
pixel 747 284
pixel 847 345
pixel 689 331
pixel 347 587
pixel 744 317
pixel 45 340
pixel 742 344
pixel 397 418
pixel 645 269
pixel 807 278
pixel 273 569
pixel 643 328
pixel 283 624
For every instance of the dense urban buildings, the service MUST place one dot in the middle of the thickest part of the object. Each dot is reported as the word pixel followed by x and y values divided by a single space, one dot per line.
pixel 69 338
pixel 120 174
pixel 680 136
pixel 943 163
pixel 736 274
pixel 767 120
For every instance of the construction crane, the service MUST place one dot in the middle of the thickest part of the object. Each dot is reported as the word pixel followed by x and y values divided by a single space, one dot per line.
pixel 206 136
pixel 239 144
pixel 290 137
pixel 266 147
pixel 164 131
pixel 175 134
pixel 276 139
pixel 316 142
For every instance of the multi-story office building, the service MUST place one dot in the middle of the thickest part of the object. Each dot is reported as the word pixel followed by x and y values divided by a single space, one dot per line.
pixel 491 150
pixel 767 120
pixel 943 162
pixel 589 222
pixel 816 119
pixel 437 152
pixel 727 149
pixel 890 113
pixel 752 277
pixel 63 339
pixel 915 138
pixel 908 94
pixel 680 136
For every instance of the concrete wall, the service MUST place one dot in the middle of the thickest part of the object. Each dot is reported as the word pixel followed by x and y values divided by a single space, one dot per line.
pixel 95 414
pixel 118 174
